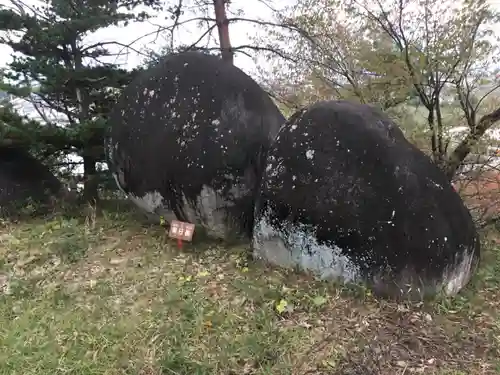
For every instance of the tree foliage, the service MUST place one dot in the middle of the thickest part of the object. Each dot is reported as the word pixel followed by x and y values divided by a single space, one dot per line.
pixel 446 46
pixel 334 57
pixel 393 52
pixel 437 58
pixel 61 73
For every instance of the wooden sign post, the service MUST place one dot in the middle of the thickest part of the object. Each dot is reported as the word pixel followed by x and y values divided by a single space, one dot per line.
pixel 181 231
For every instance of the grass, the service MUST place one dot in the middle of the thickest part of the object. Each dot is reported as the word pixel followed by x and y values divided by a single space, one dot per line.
pixel 109 295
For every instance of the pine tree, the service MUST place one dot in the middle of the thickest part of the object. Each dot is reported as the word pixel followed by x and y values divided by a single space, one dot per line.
pixel 65 75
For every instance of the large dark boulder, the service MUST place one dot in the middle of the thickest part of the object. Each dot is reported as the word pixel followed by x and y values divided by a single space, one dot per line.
pixel 188 140
pixel 346 196
pixel 25 180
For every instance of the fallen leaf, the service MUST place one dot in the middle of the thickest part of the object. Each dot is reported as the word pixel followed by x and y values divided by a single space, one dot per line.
pixel 281 306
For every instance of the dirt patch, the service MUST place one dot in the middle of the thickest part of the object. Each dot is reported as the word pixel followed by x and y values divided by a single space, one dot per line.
pixel 418 342
pixel 396 339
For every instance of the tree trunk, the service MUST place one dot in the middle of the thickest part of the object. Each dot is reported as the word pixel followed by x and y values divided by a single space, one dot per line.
pixel 91 183
pixel 223 27
pixel 432 128
pixel 464 148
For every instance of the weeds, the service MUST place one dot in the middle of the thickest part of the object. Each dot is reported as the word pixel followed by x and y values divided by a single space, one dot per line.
pixel 105 296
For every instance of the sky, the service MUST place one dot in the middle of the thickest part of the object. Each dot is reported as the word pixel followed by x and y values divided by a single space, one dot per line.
pixel 240 33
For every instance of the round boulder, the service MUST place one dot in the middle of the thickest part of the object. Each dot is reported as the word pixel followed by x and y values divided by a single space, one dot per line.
pixel 188 140
pixel 24 180
pixel 346 196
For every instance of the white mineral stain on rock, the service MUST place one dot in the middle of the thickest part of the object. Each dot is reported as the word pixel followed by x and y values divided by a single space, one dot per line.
pixel 119 181
pixel 150 202
pixel 458 275
pixel 310 154
pixel 297 246
pixel 210 213
pixel 209 210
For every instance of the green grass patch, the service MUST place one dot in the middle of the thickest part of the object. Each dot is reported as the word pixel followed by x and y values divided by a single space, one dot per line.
pixel 107 295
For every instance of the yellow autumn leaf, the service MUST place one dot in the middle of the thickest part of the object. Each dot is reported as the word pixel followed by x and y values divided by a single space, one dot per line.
pixel 162 220
pixel 281 306
pixel 244 269
pixel 203 274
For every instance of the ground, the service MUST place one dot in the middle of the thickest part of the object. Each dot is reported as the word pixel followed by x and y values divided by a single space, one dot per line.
pixel 111 295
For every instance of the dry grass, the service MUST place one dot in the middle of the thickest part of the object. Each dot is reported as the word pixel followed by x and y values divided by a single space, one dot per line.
pixel 107 295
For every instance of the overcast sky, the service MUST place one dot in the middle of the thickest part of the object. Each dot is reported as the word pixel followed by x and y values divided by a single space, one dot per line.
pixel 240 33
